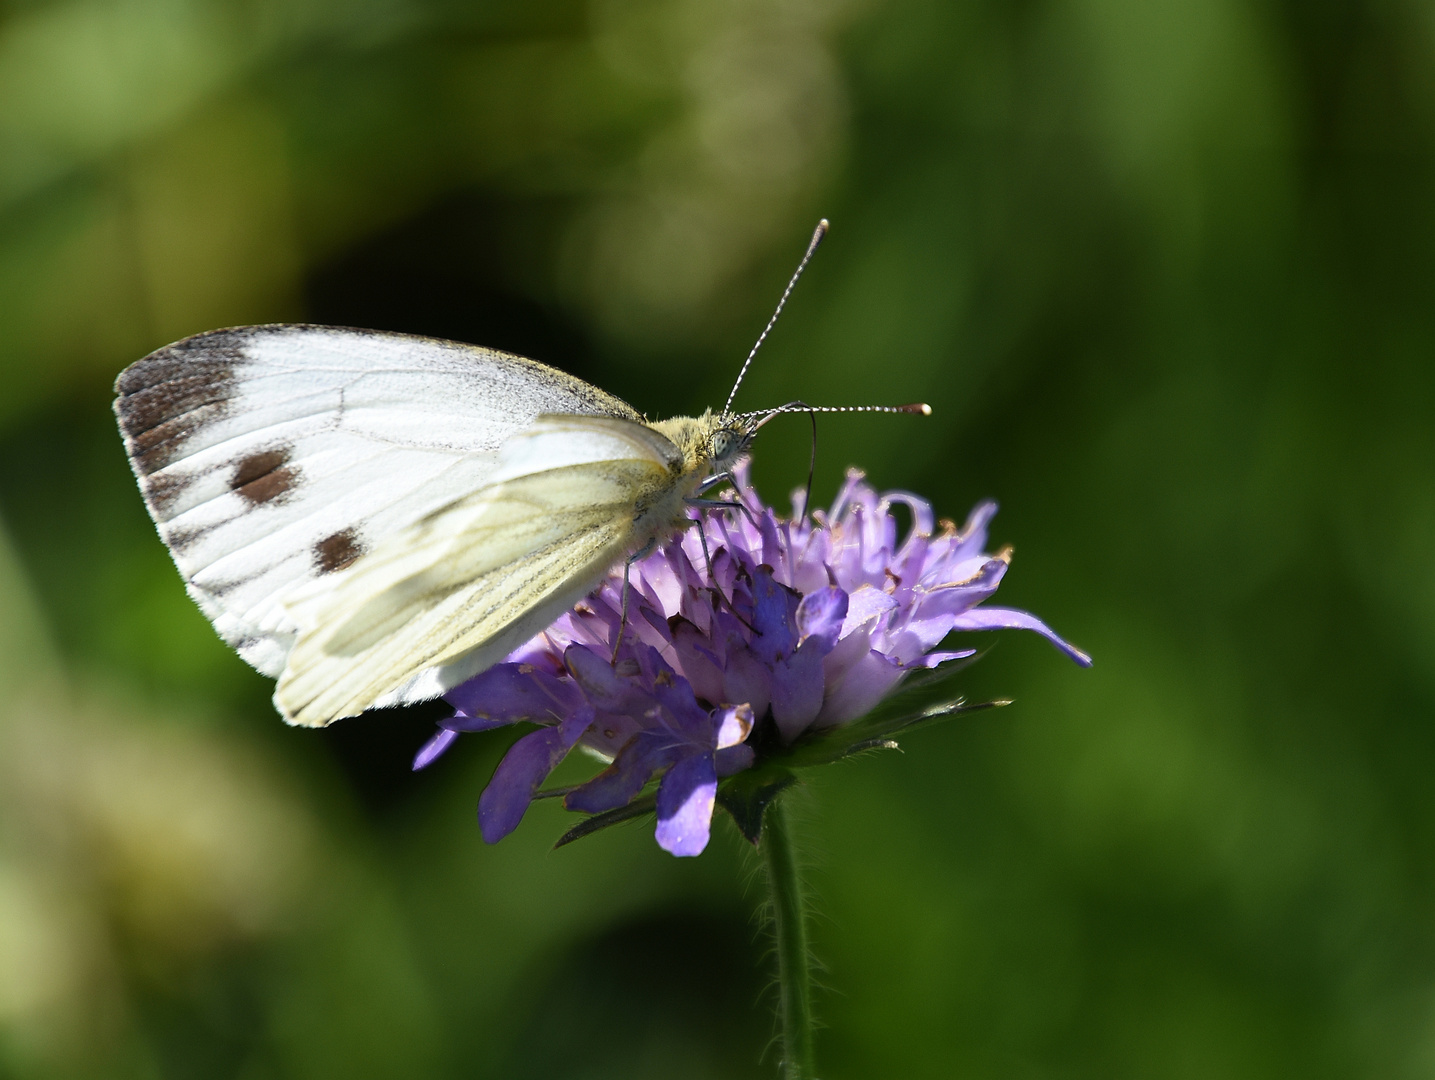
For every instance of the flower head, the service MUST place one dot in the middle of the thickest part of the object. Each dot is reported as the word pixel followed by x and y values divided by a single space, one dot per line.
pixel 782 630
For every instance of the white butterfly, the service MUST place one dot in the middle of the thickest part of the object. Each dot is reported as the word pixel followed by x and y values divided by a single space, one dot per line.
pixel 374 518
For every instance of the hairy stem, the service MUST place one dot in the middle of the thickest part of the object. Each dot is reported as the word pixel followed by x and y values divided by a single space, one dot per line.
pixel 789 919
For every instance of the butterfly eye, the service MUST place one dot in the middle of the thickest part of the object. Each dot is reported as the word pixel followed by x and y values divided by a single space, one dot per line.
pixel 725 443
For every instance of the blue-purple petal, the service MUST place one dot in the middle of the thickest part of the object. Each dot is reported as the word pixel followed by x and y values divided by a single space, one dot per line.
pixel 430 751
pixel 601 683
pixel 820 616
pixel 973 535
pixel 797 691
pixel 746 678
pixel 509 692
pixel 998 618
pixel 864 605
pixel 615 786
pixel 526 765
pixel 734 759
pixel 686 796
pixel 684 715
pixel 932 659
pixel 699 663
pixel 953 596
pixel 772 549
pixel 471 724
pixel 858 689
pixel 922 517
pixel 731 725
pixel 772 619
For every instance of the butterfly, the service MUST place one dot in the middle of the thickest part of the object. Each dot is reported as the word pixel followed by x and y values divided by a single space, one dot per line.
pixel 373 518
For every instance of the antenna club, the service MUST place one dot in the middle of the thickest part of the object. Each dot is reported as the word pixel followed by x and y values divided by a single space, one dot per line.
pixel 917 408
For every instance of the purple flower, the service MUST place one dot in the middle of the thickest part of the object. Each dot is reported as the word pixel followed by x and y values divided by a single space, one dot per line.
pixel 796 627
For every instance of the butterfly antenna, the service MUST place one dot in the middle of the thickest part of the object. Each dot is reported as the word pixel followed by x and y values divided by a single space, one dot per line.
pixel 817 235
pixel 915 408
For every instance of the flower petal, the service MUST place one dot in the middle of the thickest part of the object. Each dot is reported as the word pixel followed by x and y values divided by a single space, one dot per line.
pixel 935 608
pixel 863 604
pixel 460 722
pixel 700 666
pixel 526 765
pixel 734 759
pixel 853 490
pixel 797 690
pixel 615 786
pixel 772 548
pixel 430 751
pixel 731 725
pixel 509 692
pixel 858 689
pixel 772 618
pixel 922 517
pixel 798 682
pixel 967 583
pixel 820 616
pixel 850 649
pixel 601 684
pixel 973 536
pixel 932 659
pixel 998 618
pixel 746 678
pixel 686 797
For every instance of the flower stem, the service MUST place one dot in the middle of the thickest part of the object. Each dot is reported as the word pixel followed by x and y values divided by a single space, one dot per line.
pixel 789 919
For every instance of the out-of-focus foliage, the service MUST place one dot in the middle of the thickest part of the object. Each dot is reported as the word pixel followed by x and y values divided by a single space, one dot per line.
pixel 1162 268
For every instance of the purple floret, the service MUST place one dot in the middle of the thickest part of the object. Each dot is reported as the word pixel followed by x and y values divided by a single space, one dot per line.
pixel 819 619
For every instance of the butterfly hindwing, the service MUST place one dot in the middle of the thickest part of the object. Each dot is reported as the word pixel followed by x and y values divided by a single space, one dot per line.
pixel 466 585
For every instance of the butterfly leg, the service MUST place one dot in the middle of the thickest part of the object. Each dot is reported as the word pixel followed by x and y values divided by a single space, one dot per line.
pixel 724 504
pixel 707 556
pixel 642 553
pixel 708 559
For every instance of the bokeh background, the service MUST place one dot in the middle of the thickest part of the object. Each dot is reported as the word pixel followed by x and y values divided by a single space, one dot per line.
pixel 1163 268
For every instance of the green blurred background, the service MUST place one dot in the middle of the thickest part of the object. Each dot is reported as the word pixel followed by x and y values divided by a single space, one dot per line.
pixel 1164 270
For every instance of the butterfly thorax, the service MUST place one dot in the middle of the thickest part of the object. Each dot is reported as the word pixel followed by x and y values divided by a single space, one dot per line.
pixel 708 446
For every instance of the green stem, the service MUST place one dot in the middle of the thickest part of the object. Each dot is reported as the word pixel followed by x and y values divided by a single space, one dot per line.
pixel 789 919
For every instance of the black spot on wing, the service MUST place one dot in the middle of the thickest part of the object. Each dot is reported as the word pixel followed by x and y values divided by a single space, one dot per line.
pixel 264 476
pixel 338 551
pixel 173 392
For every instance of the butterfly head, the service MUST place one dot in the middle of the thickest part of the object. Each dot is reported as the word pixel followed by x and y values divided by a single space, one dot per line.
pixel 729 441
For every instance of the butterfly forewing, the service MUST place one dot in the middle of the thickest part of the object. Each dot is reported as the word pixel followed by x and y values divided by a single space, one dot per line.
pixel 273 456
